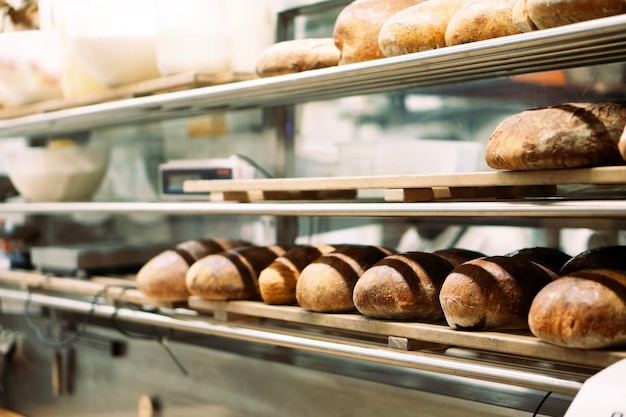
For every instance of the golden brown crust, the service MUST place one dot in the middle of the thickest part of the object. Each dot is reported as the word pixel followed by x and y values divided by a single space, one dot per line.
pixel 491 293
pixel 480 20
pixel 586 309
pixel 200 248
pixel 521 19
pixel 297 55
pixel 326 284
pixel 358 24
pixel 606 257
pixel 457 256
pixel 230 275
pixel 277 282
pixel 418 28
pixel 403 286
pixel 567 136
pixel 552 13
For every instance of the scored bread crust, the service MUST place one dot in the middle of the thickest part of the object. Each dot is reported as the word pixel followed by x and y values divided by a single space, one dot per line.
pixel 480 20
pixel 297 55
pixel 552 13
pixel 585 310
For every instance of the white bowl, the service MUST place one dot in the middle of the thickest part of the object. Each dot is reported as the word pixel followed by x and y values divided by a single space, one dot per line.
pixel 31 64
pixel 69 173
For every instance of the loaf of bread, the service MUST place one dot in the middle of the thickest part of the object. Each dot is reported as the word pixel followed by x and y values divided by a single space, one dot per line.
pixel 358 24
pixel 605 257
pixel 522 21
pixel 277 282
pixel 327 284
pixel 297 55
pixel 457 256
pixel 585 309
pixel 231 275
pixel 546 14
pixel 567 136
pixel 491 293
pixel 418 28
pixel 480 20
pixel 550 258
pixel 403 286
pixel 163 277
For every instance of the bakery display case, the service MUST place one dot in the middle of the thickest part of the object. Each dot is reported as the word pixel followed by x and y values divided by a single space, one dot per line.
pixel 386 152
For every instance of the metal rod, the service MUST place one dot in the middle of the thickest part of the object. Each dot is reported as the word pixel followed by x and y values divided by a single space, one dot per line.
pixel 425 362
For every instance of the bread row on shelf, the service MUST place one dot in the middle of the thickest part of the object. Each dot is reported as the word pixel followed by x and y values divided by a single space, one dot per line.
pixel 577 301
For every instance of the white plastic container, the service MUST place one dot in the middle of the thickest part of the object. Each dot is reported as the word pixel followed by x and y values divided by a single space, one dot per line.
pixel 115 40
pixel 192 36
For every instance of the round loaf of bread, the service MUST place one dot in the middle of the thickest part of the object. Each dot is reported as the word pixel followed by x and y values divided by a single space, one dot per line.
pixel 230 275
pixel 326 284
pixel 277 282
pixel 567 136
pixel 297 55
pixel 585 310
pixel 491 293
pixel 418 28
pixel 552 13
pixel 480 20
pixel 403 286
pixel 551 258
pixel 163 277
pixel 457 256
pixel 605 257
pixel 358 24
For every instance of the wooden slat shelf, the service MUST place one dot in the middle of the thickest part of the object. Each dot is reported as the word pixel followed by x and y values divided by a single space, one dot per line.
pixel 414 188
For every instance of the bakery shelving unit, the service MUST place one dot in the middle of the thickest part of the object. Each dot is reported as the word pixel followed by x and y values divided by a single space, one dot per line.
pixel 541 367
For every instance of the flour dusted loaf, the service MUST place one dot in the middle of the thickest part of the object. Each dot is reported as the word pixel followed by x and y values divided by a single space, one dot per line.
pixel 403 286
pixel 297 55
pixel 544 14
pixel 605 257
pixel 327 284
pixel 457 256
pixel 566 136
pixel 418 28
pixel 491 293
pixel 231 275
pixel 585 309
pixel 163 277
pixel 357 27
pixel 277 282
pixel 551 258
pixel 480 20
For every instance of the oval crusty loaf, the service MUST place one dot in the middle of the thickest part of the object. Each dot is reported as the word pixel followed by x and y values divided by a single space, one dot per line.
pixel 358 24
pixel 326 284
pixel 163 277
pixel 403 286
pixel 480 20
pixel 605 257
pixel 418 28
pixel 586 310
pixel 457 256
pixel 277 282
pixel 230 275
pixel 551 258
pixel 567 136
pixel 552 13
pixel 491 293
pixel 297 55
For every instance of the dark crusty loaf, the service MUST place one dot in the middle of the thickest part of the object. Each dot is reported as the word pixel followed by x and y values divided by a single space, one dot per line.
pixel 326 284
pixel 546 14
pixel 277 282
pixel 163 277
pixel 551 258
pixel 585 309
pixel 571 135
pixel 403 286
pixel 418 28
pixel 358 24
pixel 230 275
pixel 480 20
pixel 605 257
pixel 491 293
pixel 297 55
pixel 457 256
